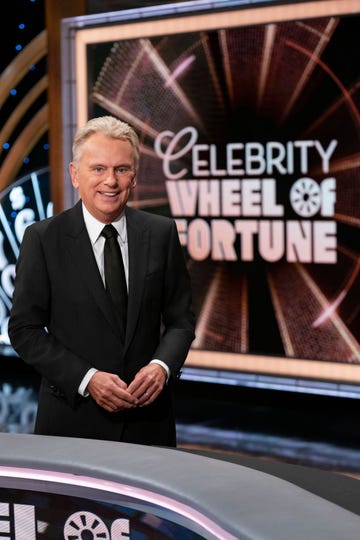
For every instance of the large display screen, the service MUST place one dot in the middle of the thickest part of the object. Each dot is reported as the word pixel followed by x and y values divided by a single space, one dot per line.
pixel 249 125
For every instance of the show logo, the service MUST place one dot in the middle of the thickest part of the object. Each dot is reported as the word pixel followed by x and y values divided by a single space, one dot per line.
pixel 21 204
pixel 19 522
pixel 245 200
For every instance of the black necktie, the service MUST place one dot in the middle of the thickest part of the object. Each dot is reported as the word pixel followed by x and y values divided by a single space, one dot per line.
pixel 115 280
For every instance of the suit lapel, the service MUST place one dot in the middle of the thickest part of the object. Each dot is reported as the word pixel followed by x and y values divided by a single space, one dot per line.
pixel 138 245
pixel 79 246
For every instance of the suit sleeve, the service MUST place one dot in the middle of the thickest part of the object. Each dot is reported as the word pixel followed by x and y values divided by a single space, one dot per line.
pixel 178 317
pixel 30 320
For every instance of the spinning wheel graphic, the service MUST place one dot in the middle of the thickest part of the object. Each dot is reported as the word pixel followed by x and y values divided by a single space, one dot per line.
pixel 85 526
pixel 305 197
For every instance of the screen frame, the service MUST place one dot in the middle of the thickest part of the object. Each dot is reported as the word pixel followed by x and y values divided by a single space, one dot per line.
pixel 79 32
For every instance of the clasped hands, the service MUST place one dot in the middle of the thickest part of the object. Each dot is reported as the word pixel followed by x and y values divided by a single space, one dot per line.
pixel 113 394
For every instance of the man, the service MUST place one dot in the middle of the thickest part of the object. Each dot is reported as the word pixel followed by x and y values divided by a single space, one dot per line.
pixel 103 378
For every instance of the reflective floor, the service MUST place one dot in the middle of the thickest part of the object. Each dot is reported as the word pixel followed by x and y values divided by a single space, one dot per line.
pixel 315 431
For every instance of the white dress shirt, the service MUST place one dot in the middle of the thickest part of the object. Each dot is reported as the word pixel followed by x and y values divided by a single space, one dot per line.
pixel 94 228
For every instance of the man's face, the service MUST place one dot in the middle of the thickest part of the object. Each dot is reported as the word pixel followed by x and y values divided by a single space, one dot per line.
pixel 104 176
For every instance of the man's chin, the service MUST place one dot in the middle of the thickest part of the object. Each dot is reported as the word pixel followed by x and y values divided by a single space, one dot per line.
pixel 111 212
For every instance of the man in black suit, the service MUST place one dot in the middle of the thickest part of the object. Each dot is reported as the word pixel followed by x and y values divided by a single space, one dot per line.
pixel 99 380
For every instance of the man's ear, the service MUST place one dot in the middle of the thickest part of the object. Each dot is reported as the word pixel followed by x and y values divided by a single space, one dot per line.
pixel 73 175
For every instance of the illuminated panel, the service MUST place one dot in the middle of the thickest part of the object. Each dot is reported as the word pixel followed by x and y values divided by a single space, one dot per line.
pixel 23 202
pixel 106 510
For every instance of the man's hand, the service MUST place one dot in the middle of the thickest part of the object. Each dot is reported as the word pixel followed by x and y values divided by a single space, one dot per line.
pixel 110 392
pixel 147 384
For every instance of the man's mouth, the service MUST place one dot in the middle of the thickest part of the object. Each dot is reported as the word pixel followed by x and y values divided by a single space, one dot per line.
pixel 109 193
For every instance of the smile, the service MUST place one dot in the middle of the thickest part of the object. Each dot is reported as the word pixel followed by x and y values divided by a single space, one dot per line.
pixel 109 193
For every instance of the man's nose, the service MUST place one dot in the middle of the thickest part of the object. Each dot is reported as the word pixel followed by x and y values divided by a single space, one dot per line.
pixel 111 177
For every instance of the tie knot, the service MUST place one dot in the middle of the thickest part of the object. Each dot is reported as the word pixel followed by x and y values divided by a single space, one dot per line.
pixel 109 231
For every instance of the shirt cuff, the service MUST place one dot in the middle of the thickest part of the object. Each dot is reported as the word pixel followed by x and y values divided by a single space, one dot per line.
pixel 162 364
pixel 82 388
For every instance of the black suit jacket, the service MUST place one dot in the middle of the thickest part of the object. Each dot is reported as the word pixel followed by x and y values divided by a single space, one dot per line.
pixel 62 323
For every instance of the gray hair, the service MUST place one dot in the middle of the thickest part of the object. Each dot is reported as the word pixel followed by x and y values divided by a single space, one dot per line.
pixel 111 127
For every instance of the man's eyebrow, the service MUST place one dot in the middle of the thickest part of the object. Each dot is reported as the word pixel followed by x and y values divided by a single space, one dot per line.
pixel 122 164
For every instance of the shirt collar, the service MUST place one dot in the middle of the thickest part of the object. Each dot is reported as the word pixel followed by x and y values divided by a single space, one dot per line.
pixel 94 226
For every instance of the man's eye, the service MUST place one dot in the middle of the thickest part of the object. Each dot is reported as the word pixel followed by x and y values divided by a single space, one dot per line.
pixel 99 169
pixel 122 170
